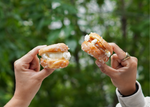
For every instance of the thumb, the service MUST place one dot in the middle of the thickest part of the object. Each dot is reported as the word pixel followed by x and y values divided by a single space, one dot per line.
pixel 44 73
pixel 106 69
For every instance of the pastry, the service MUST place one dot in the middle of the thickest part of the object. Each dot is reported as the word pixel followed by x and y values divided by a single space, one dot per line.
pixel 97 47
pixel 55 56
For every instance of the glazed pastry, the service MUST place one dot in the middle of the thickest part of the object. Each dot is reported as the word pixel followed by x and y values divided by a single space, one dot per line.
pixel 55 56
pixel 97 47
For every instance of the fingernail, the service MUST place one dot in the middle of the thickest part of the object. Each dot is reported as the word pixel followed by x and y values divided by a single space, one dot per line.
pixel 98 64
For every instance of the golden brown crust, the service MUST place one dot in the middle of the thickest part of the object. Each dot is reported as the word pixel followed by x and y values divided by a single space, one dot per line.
pixel 97 50
pixel 92 50
pixel 54 64
pixel 59 47
pixel 102 41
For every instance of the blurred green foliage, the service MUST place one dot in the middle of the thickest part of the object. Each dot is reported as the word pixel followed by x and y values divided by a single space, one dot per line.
pixel 25 24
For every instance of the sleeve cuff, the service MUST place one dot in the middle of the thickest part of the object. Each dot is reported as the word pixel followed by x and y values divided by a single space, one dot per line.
pixel 134 100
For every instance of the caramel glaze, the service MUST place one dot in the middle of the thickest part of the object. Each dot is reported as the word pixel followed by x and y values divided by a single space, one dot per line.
pixel 98 44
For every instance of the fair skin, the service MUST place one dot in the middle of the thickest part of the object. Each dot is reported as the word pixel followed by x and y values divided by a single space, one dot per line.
pixel 122 73
pixel 29 77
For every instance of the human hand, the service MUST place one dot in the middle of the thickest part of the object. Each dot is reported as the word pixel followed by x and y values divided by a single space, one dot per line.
pixel 122 73
pixel 28 78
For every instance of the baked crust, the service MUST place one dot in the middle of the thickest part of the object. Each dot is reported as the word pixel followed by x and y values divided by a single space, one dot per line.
pixel 92 50
pixel 54 64
pixel 59 47
pixel 97 50
pixel 101 41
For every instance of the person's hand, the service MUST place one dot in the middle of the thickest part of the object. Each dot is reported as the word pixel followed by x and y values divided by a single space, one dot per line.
pixel 28 78
pixel 122 73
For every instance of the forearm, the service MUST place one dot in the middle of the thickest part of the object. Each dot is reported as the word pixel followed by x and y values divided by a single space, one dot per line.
pixel 14 102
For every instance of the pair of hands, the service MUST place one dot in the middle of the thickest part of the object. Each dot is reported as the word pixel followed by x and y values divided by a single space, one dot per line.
pixel 29 77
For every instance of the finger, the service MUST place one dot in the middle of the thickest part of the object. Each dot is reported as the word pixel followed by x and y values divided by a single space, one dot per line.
pixel 129 61
pixel 34 65
pixel 44 73
pixel 121 54
pixel 115 61
pixel 31 54
pixel 106 69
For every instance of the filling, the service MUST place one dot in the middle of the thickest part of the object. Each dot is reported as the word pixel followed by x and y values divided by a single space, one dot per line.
pixel 107 53
pixel 98 44
pixel 56 55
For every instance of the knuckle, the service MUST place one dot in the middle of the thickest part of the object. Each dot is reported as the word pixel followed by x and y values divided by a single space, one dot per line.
pixel 113 56
pixel 16 63
pixel 111 59
pixel 135 59
pixel 134 62
pixel 114 44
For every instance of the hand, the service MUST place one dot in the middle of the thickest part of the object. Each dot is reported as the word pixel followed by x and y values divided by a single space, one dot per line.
pixel 122 73
pixel 28 78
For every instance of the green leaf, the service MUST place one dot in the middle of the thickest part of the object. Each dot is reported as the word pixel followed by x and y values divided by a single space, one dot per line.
pixel 67 30
pixel 72 44
pixel 53 35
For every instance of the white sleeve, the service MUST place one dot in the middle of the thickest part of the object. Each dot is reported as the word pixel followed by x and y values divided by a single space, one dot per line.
pixel 135 100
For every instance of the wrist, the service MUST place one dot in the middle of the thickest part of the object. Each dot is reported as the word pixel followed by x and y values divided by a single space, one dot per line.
pixel 128 90
pixel 15 102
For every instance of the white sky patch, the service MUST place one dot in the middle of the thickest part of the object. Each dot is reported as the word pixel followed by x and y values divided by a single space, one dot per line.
pixel 92 20
pixel 62 34
pixel 55 5
pixel 81 10
pixel 55 25
pixel 27 22
pixel 66 21
pixel 82 22
pixel 72 32
pixel 66 12
pixel 80 1
pixel 81 39
pixel 97 29
pixel 85 61
pixel 108 6
pixel 93 6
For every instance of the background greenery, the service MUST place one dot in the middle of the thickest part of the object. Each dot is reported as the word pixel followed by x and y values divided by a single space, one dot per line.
pixel 25 24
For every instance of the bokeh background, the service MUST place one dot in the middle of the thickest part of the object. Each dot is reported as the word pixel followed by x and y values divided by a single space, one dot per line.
pixel 24 24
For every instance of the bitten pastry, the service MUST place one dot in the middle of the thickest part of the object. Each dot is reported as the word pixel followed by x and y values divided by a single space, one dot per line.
pixel 97 47
pixel 55 56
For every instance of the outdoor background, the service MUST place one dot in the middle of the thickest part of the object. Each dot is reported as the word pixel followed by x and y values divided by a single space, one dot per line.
pixel 25 24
